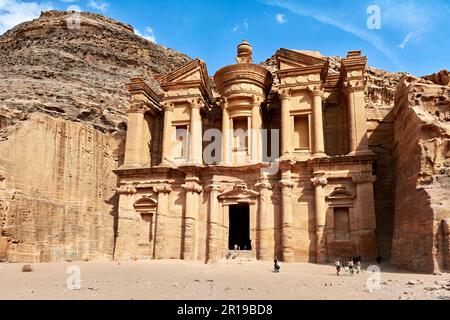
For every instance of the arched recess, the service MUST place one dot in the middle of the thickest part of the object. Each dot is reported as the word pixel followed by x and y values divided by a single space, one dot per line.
pixel 341 223
pixel 146 207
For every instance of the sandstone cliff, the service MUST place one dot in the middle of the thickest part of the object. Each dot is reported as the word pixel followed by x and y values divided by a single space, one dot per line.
pixel 62 119
pixel 422 171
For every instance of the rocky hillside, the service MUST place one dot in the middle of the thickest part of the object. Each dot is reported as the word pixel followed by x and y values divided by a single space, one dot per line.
pixel 75 74
pixel 62 118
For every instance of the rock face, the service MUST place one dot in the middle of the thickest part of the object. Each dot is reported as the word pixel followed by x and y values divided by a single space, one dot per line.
pixel 422 171
pixel 76 74
pixel 63 118
pixel 63 109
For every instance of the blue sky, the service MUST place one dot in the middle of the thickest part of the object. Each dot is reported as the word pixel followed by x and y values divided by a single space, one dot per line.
pixel 411 35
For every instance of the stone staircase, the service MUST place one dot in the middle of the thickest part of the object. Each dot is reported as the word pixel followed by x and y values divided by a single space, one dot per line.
pixel 241 256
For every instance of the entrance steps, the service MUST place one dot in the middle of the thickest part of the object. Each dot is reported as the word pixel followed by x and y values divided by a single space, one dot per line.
pixel 241 255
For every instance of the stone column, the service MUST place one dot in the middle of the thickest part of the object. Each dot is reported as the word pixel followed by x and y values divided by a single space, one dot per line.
pixel 213 252
pixel 226 134
pixel 286 127
pixel 357 117
pixel 265 228
pixel 318 142
pixel 365 213
pixel 159 251
pixel 287 221
pixel 195 143
pixel 193 189
pixel 135 135
pixel 167 155
pixel 256 131
pixel 320 208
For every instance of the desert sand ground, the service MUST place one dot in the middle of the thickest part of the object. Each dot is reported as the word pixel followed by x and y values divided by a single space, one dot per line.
pixel 230 280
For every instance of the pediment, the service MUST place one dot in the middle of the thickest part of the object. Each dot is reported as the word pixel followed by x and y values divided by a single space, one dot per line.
pixel 192 71
pixel 340 193
pixel 146 205
pixel 292 59
pixel 192 75
pixel 239 194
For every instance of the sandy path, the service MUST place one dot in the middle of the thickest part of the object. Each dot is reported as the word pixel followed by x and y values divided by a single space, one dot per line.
pixel 228 280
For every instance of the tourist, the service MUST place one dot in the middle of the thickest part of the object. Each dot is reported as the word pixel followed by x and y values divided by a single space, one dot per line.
pixel 346 266
pixel 338 267
pixel 350 267
pixel 358 267
pixel 276 267
pixel 379 260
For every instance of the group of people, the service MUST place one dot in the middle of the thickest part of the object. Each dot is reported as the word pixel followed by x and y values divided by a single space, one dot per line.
pixel 350 265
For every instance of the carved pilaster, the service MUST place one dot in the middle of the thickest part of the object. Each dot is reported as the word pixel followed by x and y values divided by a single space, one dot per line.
pixel 264 229
pixel 286 126
pixel 319 183
pixel 213 253
pixel 190 245
pixel 287 222
pixel 160 249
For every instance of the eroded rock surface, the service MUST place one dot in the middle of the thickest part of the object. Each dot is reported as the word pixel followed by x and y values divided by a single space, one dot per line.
pixel 63 118
pixel 422 171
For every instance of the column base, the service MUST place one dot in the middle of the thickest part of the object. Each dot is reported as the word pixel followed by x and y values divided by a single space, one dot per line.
pixel 362 153
pixel 320 155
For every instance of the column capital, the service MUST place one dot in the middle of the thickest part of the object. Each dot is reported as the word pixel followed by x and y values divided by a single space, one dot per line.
pixel 363 177
pixel 263 185
pixel 195 103
pixel 127 189
pixel 354 86
pixel 223 102
pixel 214 188
pixel 138 107
pixel 162 188
pixel 168 106
pixel 319 181
pixel 286 184
pixel 256 101
pixel 284 94
pixel 316 90
pixel 192 187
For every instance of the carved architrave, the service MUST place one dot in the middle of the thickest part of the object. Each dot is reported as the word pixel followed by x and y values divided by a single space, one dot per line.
pixel 239 194
pixel 214 188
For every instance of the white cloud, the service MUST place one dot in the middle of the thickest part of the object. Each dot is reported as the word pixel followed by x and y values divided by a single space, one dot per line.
pixel 413 18
pixel 281 18
pixel 344 25
pixel 99 5
pixel 149 34
pixel 13 12
pixel 243 27
pixel 407 39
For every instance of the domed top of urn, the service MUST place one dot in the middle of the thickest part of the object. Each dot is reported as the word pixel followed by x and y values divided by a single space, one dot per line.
pixel 244 53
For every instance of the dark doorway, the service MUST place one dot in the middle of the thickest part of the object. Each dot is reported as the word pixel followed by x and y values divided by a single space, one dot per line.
pixel 240 228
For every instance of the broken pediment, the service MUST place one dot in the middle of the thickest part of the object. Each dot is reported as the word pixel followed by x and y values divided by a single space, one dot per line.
pixel 192 75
